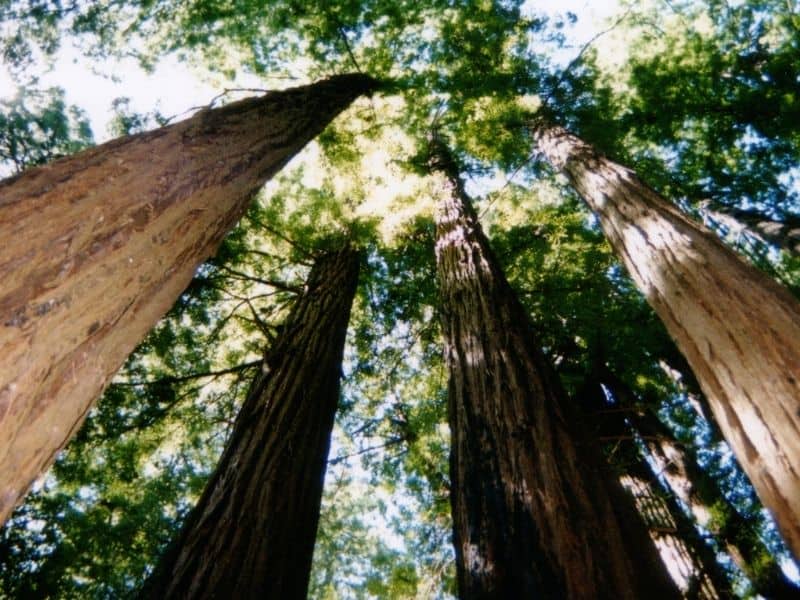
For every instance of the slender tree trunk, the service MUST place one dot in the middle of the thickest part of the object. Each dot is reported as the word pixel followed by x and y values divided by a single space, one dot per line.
pixel 784 234
pixel 97 247
pixel 689 559
pixel 252 532
pixel 713 512
pixel 739 330
pixel 701 495
pixel 534 514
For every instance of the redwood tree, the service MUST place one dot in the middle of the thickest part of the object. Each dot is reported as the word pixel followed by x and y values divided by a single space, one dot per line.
pixel 534 513
pixel 700 494
pixel 97 247
pixel 251 534
pixel 739 330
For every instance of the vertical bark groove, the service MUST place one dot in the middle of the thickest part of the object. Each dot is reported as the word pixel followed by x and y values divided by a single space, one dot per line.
pixel 96 247
pixel 534 514
pixel 738 329
pixel 251 534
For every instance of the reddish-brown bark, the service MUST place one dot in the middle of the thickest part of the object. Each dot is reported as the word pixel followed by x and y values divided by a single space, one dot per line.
pixel 738 329
pixel 535 514
pixel 251 534
pixel 96 248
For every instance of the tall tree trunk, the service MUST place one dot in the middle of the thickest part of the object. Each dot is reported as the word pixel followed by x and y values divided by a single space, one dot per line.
pixel 689 559
pixel 700 493
pixel 252 532
pixel 534 514
pixel 739 330
pixel 97 247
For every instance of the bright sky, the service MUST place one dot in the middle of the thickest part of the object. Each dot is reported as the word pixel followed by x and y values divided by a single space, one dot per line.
pixel 175 88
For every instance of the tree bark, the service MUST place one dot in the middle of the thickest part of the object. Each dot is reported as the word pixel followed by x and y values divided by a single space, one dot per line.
pixel 701 495
pixel 534 513
pixel 739 330
pixel 97 247
pixel 689 559
pixel 251 534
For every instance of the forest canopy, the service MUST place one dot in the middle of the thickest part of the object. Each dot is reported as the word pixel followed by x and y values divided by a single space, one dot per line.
pixel 700 98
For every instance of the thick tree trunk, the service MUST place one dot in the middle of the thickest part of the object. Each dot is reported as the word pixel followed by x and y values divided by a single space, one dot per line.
pixel 534 514
pixel 97 247
pixel 739 330
pixel 252 532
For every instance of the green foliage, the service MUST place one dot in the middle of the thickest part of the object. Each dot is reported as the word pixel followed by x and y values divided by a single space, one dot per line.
pixel 707 105
pixel 37 126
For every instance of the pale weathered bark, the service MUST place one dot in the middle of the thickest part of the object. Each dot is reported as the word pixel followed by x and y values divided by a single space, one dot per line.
pixel 535 514
pixel 97 247
pixel 251 534
pixel 739 330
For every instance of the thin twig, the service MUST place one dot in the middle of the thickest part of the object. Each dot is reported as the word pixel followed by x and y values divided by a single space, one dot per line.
pixel 179 379
pixel 507 183
pixel 391 442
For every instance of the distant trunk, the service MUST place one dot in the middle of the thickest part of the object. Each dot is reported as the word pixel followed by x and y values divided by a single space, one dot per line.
pixel 534 513
pixel 784 233
pixel 701 495
pixel 97 247
pixel 739 330
pixel 688 558
pixel 252 532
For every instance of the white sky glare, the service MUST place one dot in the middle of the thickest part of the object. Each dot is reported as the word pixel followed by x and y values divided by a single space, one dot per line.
pixel 174 87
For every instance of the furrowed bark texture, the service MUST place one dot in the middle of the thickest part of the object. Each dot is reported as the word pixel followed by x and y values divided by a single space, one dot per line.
pixel 700 494
pixel 97 247
pixel 691 562
pixel 739 330
pixel 534 514
pixel 252 532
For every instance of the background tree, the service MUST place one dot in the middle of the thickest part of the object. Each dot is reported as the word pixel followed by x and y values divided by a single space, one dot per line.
pixel 520 464
pixel 252 531
pixel 37 126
